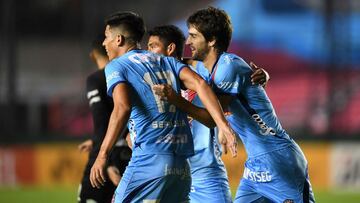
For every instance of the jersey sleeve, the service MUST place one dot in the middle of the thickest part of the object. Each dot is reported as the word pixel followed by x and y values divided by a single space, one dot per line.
pixel 115 73
pixel 230 76
pixel 176 64
pixel 92 89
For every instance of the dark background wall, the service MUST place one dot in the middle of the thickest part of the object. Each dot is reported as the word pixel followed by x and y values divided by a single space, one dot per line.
pixel 311 50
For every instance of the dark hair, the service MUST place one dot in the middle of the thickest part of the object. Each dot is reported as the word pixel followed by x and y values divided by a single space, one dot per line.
pixel 170 34
pixel 213 23
pixel 97 45
pixel 130 22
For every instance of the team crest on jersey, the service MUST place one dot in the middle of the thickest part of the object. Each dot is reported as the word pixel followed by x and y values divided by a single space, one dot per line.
pixel 289 201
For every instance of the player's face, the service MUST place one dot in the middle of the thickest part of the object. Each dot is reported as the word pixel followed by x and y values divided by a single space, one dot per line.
pixel 156 46
pixel 198 44
pixel 110 42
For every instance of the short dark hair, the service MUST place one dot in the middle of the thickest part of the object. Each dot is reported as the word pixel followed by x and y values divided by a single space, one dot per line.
pixel 170 34
pixel 97 45
pixel 213 23
pixel 130 22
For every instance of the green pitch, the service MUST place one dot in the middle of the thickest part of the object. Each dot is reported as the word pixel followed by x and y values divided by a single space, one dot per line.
pixel 64 195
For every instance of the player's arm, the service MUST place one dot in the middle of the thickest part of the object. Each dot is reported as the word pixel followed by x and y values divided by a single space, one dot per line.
pixel 194 82
pixel 117 122
pixel 166 92
pixel 260 76
pixel 114 174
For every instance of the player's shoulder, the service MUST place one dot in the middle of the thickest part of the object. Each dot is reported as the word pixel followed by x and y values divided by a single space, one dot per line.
pixel 230 58
pixel 114 63
pixel 142 56
pixel 233 60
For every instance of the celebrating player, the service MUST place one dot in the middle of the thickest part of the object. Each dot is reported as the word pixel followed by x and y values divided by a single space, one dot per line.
pixel 101 106
pixel 209 178
pixel 158 169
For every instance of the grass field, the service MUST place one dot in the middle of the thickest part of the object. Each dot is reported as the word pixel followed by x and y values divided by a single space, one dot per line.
pixel 65 195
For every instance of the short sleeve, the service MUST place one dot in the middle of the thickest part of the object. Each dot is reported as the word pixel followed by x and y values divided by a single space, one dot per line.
pixel 176 64
pixel 230 76
pixel 115 73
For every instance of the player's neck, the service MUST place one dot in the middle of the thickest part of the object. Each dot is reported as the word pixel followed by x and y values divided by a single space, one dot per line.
pixel 132 47
pixel 210 60
pixel 128 47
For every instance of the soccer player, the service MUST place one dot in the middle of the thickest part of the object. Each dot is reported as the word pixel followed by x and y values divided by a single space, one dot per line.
pixel 276 169
pixel 101 106
pixel 208 173
pixel 158 170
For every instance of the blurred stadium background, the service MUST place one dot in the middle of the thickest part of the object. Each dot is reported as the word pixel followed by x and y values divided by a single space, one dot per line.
pixel 311 49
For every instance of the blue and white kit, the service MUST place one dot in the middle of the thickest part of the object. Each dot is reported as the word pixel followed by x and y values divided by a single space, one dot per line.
pixel 161 136
pixel 209 178
pixel 275 162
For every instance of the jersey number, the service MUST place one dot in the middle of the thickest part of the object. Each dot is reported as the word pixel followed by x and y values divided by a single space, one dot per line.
pixel 168 76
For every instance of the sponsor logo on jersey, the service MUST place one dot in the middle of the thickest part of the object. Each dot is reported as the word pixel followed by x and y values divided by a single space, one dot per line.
pixel 112 75
pixel 173 139
pixel 168 124
pixel 228 85
pixel 183 172
pixel 257 176
pixel 264 129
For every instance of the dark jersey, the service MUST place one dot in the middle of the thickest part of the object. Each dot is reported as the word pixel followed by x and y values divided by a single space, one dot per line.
pixel 101 107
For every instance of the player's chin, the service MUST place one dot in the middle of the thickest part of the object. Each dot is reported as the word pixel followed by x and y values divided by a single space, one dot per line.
pixel 193 54
pixel 196 57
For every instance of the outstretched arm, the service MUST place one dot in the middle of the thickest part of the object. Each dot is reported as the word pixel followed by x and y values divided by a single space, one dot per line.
pixel 118 119
pixel 226 134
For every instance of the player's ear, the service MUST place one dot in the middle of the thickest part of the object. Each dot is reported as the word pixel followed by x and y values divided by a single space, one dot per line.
pixel 212 42
pixel 171 49
pixel 120 39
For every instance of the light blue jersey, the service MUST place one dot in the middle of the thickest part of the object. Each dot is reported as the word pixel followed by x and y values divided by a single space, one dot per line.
pixel 276 169
pixel 207 159
pixel 158 170
pixel 252 114
pixel 209 178
pixel 155 126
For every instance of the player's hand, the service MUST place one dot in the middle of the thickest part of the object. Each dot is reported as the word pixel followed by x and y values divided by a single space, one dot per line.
pixel 86 146
pixel 114 174
pixel 165 92
pixel 97 176
pixel 259 76
pixel 227 139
